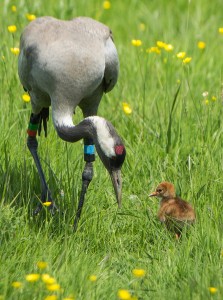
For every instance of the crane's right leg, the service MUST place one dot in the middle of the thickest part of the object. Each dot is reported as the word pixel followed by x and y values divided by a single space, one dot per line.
pixel 32 144
pixel 87 176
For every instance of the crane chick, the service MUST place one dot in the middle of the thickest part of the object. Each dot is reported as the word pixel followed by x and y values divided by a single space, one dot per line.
pixel 173 211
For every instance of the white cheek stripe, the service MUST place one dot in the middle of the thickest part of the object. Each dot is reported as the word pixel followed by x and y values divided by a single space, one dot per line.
pixel 105 139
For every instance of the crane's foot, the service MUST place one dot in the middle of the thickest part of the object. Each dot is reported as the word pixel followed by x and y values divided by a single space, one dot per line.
pixel 37 209
pixel 49 203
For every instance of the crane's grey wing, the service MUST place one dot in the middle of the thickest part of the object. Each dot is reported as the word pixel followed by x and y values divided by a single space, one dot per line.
pixel 101 32
pixel 67 60
pixel 111 64
pixel 29 49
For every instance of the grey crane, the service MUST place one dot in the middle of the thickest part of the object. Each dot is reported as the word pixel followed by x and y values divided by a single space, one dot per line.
pixel 65 64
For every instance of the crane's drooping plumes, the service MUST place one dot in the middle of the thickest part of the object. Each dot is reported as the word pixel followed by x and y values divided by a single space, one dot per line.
pixel 173 211
pixel 65 64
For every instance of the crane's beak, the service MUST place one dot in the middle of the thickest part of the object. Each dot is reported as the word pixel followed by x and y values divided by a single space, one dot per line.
pixel 117 184
pixel 153 194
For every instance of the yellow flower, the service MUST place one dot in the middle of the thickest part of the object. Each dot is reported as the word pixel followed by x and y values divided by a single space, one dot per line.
pixel 51 297
pixel 124 295
pixel 206 101
pixel 201 45
pixel 181 55
pixel 168 47
pixel 53 287
pixel 92 278
pixel 214 98
pixel 13 8
pixel 187 60
pixel 161 44
pixel 142 26
pixel 42 265
pixel 126 108
pixel 68 298
pixel 106 4
pixel 213 290
pixel 32 277
pixel 17 284
pixel 15 50
pixel 153 50
pixel 26 97
pixel 47 203
pixel 137 43
pixel 178 81
pixel 48 279
pixel 220 30
pixel 30 17
pixel 139 272
pixel 12 28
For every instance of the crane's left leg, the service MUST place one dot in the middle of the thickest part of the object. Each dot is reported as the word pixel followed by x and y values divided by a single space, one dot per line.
pixel 34 126
pixel 87 176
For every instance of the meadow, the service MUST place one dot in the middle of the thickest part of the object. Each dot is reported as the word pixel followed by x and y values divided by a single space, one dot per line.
pixel 167 106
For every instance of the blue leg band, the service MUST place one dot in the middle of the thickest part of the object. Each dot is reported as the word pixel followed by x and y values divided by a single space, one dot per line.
pixel 89 149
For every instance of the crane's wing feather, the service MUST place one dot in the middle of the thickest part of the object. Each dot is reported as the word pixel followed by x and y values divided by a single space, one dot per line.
pixel 111 64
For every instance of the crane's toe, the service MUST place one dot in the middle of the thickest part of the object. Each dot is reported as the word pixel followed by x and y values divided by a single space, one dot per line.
pixel 53 208
pixel 47 201
pixel 49 204
pixel 37 209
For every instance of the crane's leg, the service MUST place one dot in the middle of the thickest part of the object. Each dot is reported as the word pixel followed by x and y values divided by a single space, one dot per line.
pixel 34 126
pixel 87 176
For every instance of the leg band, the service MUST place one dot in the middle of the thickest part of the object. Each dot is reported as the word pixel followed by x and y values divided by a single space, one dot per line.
pixel 89 149
pixel 33 125
pixel 32 129
pixel 89 155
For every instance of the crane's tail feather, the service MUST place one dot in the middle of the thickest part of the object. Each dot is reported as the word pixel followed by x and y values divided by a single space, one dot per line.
pixel 44 117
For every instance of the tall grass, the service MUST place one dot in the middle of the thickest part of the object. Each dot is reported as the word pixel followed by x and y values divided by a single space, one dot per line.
pixel 172 134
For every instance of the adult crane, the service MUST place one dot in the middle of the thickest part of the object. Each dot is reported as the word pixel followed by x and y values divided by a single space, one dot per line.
pixel 65 64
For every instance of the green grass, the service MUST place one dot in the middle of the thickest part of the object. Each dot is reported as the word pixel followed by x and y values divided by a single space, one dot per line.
pixel 168 136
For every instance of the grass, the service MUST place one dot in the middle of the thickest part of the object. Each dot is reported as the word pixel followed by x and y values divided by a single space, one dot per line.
pixel 169 136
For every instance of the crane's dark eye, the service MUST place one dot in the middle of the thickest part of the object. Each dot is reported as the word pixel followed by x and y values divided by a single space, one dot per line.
pixel 159 190
pixel 117 161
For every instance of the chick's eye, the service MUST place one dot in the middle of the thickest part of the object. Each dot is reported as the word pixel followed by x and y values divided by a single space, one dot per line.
pixel 159 190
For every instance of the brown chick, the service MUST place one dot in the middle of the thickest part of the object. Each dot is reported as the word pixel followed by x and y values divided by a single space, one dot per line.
pixel 173 211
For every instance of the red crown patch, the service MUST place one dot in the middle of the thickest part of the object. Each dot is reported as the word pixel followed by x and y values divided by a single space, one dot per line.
pixel 119 149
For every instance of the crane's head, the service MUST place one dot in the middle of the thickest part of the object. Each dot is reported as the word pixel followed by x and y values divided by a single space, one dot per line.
pixel 111 151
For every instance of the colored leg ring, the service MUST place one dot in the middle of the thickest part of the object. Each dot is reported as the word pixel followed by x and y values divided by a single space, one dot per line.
pixel 89 155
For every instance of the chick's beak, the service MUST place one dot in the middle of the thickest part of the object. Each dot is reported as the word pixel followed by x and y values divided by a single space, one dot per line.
pixel 117 184
pixel 153 194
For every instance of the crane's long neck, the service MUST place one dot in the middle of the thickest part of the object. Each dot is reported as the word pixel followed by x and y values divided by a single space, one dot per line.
pixel 73 133
pixel 95 128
